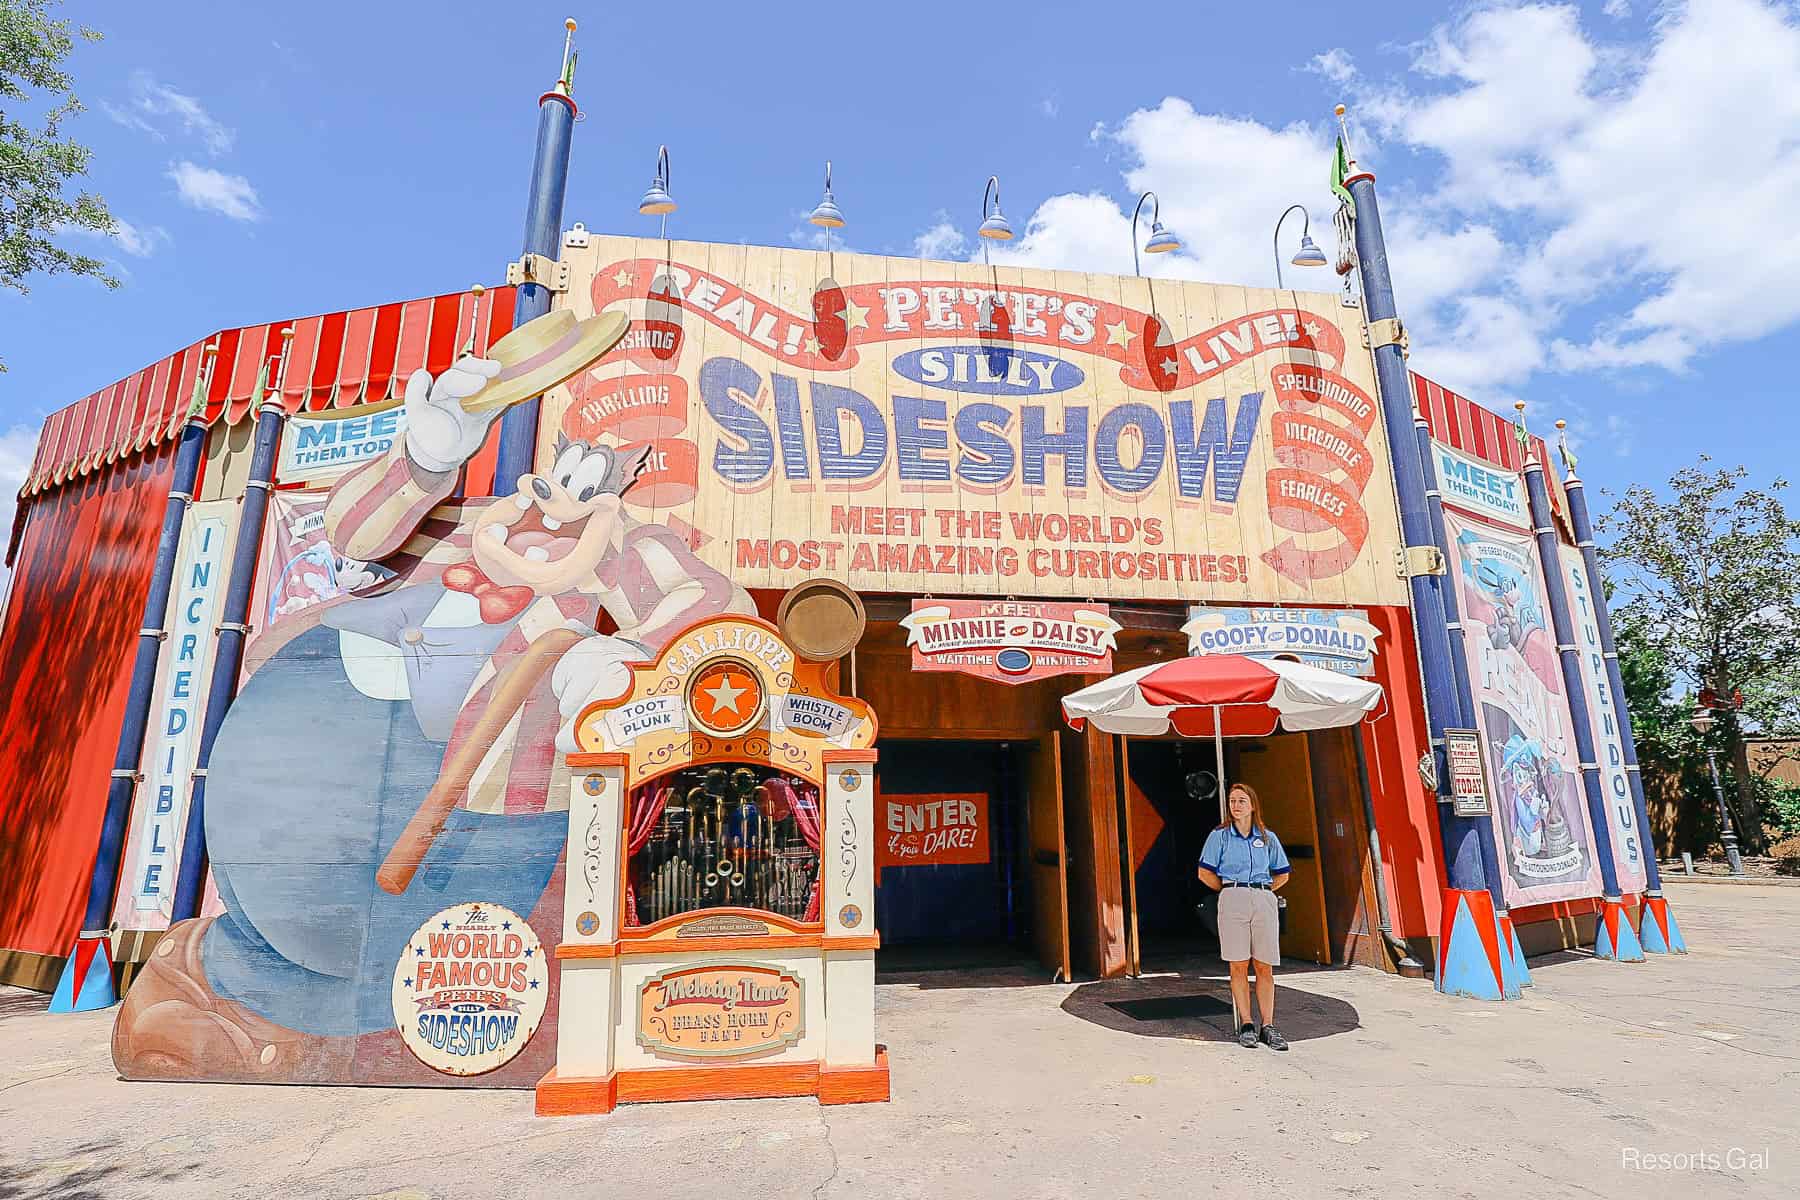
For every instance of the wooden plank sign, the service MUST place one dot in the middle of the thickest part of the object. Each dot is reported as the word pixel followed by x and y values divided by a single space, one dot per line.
pixel 946 429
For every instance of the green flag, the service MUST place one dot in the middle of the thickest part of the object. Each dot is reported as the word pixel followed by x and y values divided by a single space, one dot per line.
pixel 1340 170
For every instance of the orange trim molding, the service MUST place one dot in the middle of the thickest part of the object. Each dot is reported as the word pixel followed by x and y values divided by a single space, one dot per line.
pixel 856 1085
pixel 576 1095
pixel 850 756
pixel 597 758
pixel 587 950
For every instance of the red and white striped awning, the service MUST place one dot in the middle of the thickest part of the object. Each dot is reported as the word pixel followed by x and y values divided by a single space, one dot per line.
pixel 338 360
pixel 1222 695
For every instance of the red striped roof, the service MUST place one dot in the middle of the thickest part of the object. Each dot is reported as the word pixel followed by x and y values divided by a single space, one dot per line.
pixel 1486 435
pixel 336 360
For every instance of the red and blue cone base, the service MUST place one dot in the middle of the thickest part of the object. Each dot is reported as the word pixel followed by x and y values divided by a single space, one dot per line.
pixel 1657 931
pixel 1614 937
pixel 1513 971
pixel 1470 949
pixel 87 978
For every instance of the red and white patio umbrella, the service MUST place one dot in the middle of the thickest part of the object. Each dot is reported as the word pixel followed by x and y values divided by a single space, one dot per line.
pixel 1222 695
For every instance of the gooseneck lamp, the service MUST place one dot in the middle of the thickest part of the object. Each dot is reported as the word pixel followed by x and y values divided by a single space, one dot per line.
pixel 657 201
pixel 1309 254
pixel 1161 240
pixel 994 226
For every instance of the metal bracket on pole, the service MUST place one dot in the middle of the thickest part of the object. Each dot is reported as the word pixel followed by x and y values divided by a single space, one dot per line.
pixel 537 269
pixel 1419 560
pixel 1389 332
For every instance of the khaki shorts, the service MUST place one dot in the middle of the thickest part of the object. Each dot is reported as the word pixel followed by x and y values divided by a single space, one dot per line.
pixel 1249 926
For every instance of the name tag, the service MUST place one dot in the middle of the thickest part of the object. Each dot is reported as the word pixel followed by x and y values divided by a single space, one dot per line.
pixel 1259 843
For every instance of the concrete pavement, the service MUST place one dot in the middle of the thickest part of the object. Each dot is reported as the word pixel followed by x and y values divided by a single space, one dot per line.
pixel 1008 1087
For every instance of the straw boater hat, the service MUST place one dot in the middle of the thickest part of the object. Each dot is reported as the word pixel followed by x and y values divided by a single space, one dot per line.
pixel 544 352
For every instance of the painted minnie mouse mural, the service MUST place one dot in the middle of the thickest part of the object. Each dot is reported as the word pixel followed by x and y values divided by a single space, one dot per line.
pixel 399 756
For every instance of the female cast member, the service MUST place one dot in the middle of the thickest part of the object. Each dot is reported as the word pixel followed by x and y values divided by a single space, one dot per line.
pixel 1244 862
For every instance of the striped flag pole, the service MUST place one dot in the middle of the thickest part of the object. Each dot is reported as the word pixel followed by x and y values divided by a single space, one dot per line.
pixel 271 415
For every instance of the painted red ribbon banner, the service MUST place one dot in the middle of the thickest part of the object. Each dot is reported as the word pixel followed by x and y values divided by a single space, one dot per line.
pixel 454 996
pixel 1320 431
pixel 845 318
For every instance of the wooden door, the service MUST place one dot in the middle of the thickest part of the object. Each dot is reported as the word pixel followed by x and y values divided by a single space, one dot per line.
pixel 1280 770
pixel 1049 854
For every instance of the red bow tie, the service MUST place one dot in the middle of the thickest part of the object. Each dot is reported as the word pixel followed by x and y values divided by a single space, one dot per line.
pixel 498 603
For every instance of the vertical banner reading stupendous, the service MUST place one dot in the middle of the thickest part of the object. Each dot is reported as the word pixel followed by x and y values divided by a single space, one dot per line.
pixel 1539 810
pixel 948 428
pixel 159 817
pixel 1628 841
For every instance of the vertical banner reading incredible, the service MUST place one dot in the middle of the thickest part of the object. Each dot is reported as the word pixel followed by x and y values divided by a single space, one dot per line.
pixel 1539 811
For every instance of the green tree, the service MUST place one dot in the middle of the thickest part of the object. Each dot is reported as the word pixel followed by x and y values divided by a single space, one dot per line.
pixel 1709 584
pixel 37 162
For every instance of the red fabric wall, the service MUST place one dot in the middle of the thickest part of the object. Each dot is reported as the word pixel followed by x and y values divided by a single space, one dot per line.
pixel 1405 813
pixel 83 568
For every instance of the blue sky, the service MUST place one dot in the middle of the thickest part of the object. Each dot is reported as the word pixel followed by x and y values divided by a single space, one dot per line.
pixel 1590 208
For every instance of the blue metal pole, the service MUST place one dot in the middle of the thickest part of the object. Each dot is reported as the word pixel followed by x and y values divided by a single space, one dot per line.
pixel 87 981
pixel 1469 956
pixel 1616 939
pixel 1657 929
pixel 543 229
pixel 228 655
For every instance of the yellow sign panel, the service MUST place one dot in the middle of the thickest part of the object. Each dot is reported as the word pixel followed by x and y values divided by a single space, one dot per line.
pixel 915 426
pixel 728 689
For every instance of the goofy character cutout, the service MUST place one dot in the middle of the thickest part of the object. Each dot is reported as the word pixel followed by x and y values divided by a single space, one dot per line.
pixel 399 756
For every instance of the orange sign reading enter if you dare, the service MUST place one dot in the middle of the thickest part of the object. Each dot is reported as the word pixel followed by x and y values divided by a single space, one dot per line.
pixel 932 829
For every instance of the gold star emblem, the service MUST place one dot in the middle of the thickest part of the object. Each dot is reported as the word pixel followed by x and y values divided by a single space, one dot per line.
pixel 725 696
pixel 855 315
pixel 812 345
pixel 1118 335
pixel 622 277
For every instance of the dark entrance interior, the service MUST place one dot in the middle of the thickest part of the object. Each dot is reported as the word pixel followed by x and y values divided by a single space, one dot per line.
pixel 1311 790
pixel 956 914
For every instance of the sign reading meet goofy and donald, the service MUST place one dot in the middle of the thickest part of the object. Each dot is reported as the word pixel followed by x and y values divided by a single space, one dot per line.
pixel 949 429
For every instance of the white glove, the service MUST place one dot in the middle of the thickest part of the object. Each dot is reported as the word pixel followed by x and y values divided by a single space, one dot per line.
pixel 441 435
pixel 592 669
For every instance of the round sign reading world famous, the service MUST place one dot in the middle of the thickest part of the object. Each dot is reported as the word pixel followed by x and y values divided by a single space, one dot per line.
pixel 725 696
pixel 470 989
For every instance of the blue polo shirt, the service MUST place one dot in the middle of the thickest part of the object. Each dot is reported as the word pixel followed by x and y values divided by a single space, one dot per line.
pixel 1235 858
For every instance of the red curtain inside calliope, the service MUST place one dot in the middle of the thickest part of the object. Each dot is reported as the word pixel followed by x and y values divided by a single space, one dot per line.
pixel 721 875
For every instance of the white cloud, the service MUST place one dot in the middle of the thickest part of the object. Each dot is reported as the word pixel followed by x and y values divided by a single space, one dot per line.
pixel 942 241
pixel 139 241
pixel 1048 106
pixel 18 446
pixel 1616 9
pixel 215 191
pixel 1335 64
pixel 154 105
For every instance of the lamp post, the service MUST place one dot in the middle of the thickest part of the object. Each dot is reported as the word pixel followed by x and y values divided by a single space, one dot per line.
pixel 1702 721
pixel 1161 240
pixel 828 215
pixel 1308 255
pixel 994 227
pixel 657 202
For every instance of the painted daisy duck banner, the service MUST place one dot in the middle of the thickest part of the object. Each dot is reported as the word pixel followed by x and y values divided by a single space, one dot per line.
pixel 949 428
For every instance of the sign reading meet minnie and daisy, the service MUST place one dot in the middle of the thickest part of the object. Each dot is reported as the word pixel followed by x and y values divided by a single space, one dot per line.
pixel 946 429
